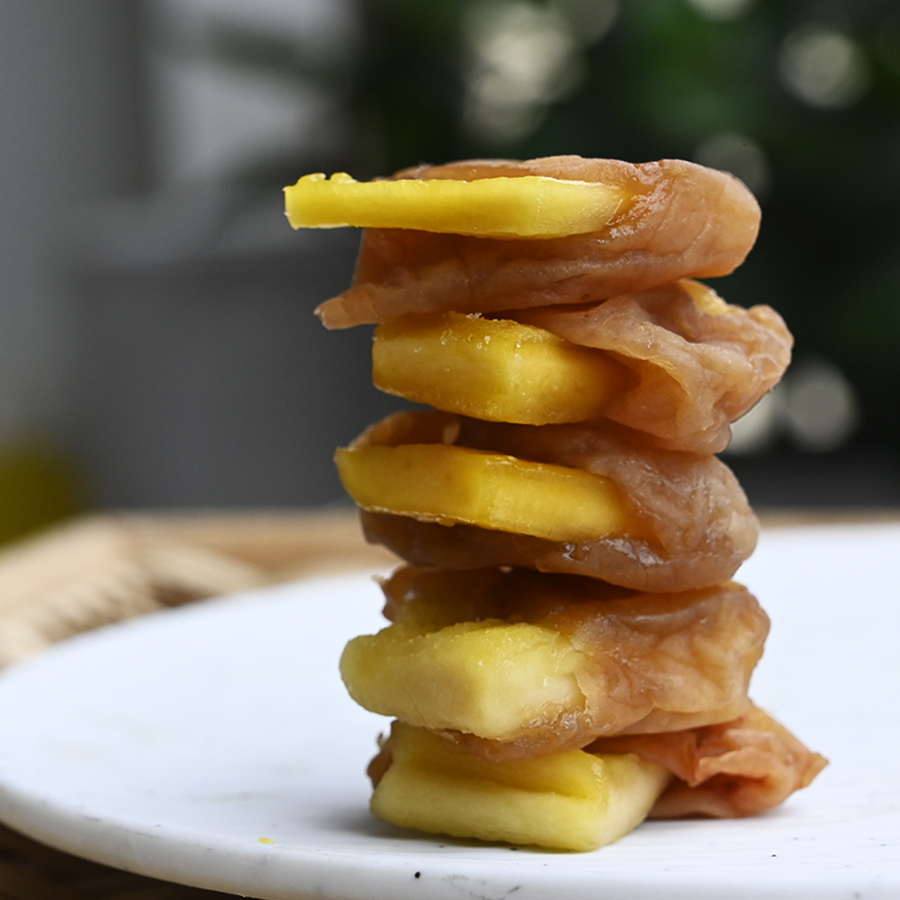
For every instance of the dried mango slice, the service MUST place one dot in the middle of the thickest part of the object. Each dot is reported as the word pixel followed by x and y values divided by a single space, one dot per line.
pixel 689 522
pixel 519 663
pixel 676 363
pixel 494 369
pixel 451 485
pixel 485 678
pixel 533 206
pixel 681 221
pixel 573 801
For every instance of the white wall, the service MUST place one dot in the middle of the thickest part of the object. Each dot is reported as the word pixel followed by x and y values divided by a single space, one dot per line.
pixel 70 130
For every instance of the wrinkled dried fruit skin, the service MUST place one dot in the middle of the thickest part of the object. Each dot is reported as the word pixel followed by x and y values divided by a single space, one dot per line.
pixel 697 527
pixel 647 663
pixel 685 221
pixel 696 370
pixel 729 770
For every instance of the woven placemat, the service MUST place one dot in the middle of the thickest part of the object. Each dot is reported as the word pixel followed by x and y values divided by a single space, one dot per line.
pixel 102 569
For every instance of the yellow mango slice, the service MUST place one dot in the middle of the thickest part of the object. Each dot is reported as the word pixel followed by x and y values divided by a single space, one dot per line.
pixel 573 801
pixel 706 299
pixel 493 369
pixel 484 678
pixel 531 206
pixel 451 485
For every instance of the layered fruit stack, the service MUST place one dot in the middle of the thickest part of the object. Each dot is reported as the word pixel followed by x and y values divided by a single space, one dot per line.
pixel 567 652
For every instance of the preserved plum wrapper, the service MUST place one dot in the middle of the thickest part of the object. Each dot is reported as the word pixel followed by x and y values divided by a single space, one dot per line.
pixel 604 660
pixel 683 221
pixel 567 652
pixel 736 768
pixel 688 521
pixel 675 363
pixel 699 363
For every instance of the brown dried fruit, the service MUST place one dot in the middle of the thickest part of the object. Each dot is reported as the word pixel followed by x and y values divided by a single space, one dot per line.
pixel 734 769
pixel 684 221
pixel 698 363
pixel 646 662
pixel 693 528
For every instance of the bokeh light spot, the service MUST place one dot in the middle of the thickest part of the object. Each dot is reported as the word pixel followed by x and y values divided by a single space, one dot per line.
pixel 820 406
pixel 823 67
pixel 739 155
pixel 521 57
pixel 591 20
pixel 721 10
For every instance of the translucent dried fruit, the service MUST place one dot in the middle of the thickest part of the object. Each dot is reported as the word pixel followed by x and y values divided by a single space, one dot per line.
pixel 519 663
pixel 684 221
pixel 567 801
pixel 737 768
pixel 692 526
pixel 675 362
pixel 697 363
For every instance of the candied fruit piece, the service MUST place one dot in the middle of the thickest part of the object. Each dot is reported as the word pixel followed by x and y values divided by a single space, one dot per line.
pixel 688 523
pixel 532 206
pixel 696 363
pixel 493 369
pixel 683 221
pixel 484 677
pixel 450 485
pixel 520 663
pixel 568 801
pixel 732 769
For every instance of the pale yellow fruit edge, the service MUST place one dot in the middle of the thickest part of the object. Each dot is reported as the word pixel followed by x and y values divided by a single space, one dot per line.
pixel 527 206
pixel 490 678
pixel 458 485
pixel 572 801
pixel 493 369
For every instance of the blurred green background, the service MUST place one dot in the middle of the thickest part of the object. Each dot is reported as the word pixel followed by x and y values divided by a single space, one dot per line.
pixel 187 368
pixel 801 99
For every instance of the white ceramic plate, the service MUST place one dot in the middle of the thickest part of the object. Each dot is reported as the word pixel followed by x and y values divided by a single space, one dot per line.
pixel 214 746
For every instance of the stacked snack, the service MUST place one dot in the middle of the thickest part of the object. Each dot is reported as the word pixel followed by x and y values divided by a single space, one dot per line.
pixel 567 652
